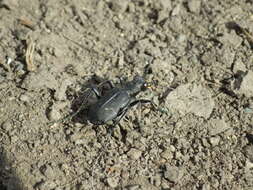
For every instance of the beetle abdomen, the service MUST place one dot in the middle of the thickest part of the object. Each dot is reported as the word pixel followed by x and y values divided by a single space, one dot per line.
pixel 108 107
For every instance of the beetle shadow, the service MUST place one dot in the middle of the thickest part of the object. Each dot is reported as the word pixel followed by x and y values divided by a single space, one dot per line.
pixel 8 178
pixel 86 97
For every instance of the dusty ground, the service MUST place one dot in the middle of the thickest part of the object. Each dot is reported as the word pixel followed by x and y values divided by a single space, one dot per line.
pixel 197 53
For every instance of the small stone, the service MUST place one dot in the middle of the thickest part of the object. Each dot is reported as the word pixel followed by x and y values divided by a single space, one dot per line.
pixel 54 114
pixel 156 181
pixel 119 6
pixel 214 140
pixel 191 98
pixel 194 6
pixel 248 150
pixel 217 126
pixel 176 10
pixel 46 185
pixel 60 93
pixel 133 187
pixel 206 186
pixel 49 172
pixel 205 143
pixel 248 165
pixel 239 66
pixel 166 4
pixel 112 181
pixel 134 153
pixel 167 154
pixel 246 86
pixel 14 139
pixel 173 174
pixel 207 58
pixel 24 98
pixel 7 125
pixel 231 39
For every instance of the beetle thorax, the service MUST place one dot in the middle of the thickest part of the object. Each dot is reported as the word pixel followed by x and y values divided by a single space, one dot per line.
pixel 135 86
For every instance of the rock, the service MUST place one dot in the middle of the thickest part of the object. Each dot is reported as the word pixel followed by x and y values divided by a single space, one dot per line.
pixel 228 56
pixel 176 10
pixel 173 174
pixel 155 180
pixel 134 153
pixel 40 79
pixel 216 126
pixel 133 187
pixel 167 154
pixel 7 125
pixel 47 171
pixel 239 66
pixel 24 98
pixel 46 185
pixel 248 150
pixel 112 181
pixel 119 5
pixel 231 39
pixel 208 58
pixel 248 165
pixel 181 38
pixel 214 141
pixel 60 93
pixel 166 4
pixel 54 114
pixel 194 6
pixel 191 98
pixel 246 87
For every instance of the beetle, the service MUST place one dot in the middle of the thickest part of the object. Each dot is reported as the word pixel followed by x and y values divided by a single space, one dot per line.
pixel 115 102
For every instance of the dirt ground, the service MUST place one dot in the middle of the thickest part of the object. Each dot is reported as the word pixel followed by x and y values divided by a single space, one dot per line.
pixel 196 53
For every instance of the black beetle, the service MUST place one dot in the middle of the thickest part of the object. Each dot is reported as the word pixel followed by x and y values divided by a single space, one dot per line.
pixel 113 105
pixel 117 101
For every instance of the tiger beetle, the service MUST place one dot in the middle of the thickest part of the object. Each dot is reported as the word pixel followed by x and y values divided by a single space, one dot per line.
pixel 114 103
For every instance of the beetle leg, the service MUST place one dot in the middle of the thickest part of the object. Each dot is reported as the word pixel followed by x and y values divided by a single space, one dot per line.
pixel 121 114
pixel 142 101
pixel 95 91
pixel 107 82
pixel 69 117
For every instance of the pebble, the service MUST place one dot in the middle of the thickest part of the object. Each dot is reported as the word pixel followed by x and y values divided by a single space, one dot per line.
pixel 246 86
pixel 7 125
pixel 248 150
pixel 134 153
pixel 194 6
pixel 167 154
pixel 231 39
pixel 60 93
pixel 248 165
pixel 46 185
pixel 48 172
pixel 176 10
pixel 191 98
pixel 24 98
pixel 119 6
pixel 155 180
pixel 133 187
pixel 112 182
pixel 217 126
pixel 54 114
pixel 214 141
pixel 166 5
pixel 173 174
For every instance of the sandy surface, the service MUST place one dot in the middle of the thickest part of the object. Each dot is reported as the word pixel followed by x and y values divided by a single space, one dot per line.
pixel 198 55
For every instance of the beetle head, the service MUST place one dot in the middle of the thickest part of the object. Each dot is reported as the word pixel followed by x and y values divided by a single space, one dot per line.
pixel 138 84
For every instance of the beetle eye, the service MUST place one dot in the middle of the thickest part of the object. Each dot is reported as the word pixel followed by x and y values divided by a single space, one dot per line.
pixel 146 85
